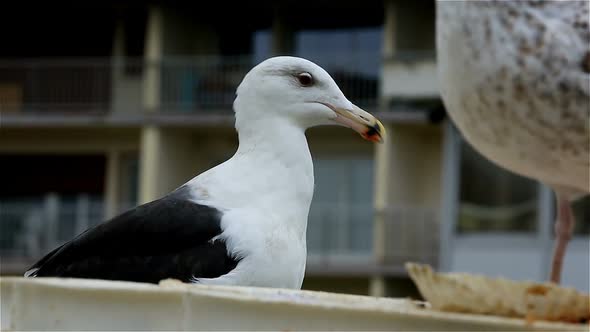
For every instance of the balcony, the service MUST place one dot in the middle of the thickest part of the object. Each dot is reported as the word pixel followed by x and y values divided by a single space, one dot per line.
pixel 123 89
pixel 336 245
pixel 55 86
pixel 31 227
pixel 341 242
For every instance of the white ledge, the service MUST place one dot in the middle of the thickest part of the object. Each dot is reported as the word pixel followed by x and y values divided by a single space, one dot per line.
pixel 77 304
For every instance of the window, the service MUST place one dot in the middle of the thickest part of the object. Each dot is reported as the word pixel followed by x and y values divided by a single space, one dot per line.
pixel 357 49
pixel 33 225
pixel 262 45
pixel 341 215
pixel 47 199
pixel 493 199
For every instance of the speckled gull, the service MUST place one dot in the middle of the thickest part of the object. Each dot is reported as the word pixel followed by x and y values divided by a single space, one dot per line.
pixel 515 78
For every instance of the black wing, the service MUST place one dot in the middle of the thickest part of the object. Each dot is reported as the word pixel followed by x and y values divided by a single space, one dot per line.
pixel 167 238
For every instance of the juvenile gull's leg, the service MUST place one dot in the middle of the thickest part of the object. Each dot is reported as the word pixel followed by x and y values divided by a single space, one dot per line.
pixel 564 226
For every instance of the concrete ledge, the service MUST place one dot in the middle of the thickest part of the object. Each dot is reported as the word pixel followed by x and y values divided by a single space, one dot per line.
pixel 77 304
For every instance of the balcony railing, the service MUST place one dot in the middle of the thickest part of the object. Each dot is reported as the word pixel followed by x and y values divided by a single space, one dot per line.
pixel 196 84
pixel 205 84
pixel 47 85
pixel 29 229
pixel 340 238
pixel 340 232
pixel 412 234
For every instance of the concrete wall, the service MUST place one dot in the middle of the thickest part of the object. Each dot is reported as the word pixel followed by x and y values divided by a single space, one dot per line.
pixel 416 165
pixel 125 88
pixel 410 166
pixel 408 175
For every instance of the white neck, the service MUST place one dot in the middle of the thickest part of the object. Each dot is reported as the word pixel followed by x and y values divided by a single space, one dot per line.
pixel 273 161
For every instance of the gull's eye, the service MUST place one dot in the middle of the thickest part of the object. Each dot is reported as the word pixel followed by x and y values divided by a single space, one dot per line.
pixel 305 79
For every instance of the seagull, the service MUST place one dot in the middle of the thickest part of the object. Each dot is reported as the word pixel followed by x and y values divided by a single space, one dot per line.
pixel 515 79
pixel 242 222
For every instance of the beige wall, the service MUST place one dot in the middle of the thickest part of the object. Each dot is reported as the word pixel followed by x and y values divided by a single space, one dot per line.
pixel 408 173
pixel 125 89
pixel 171 156
pixel 416 165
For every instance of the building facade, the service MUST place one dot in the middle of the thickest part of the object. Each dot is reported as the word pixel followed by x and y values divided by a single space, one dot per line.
pixel 106 106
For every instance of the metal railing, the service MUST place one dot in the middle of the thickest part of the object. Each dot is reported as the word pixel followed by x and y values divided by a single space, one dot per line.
pixel 208 83
pixel 339 230
pixel 515 217
pixel 29 229
pixel 185 84
pixel 50 85
pixel 345 234
pixel 412 234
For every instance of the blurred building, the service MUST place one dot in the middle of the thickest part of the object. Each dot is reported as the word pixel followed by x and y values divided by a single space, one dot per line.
pixel 106 105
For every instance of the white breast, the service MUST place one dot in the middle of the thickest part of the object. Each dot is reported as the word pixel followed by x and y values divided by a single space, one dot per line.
pixel 265 192
pixel 271 255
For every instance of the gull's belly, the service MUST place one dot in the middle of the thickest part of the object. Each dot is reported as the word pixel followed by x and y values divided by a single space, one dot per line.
pixel 526 111
pixel 516 126
pixel 524 145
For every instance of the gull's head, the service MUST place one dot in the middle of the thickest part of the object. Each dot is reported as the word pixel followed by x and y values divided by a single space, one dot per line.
pixel 300 92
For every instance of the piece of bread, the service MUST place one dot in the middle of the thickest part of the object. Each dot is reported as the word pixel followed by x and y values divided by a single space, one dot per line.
pixel 463 292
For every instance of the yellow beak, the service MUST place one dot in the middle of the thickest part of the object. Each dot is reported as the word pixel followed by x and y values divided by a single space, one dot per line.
pixel 368 126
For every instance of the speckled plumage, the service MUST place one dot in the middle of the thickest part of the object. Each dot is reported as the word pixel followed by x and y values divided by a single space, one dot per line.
pixel 515 77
